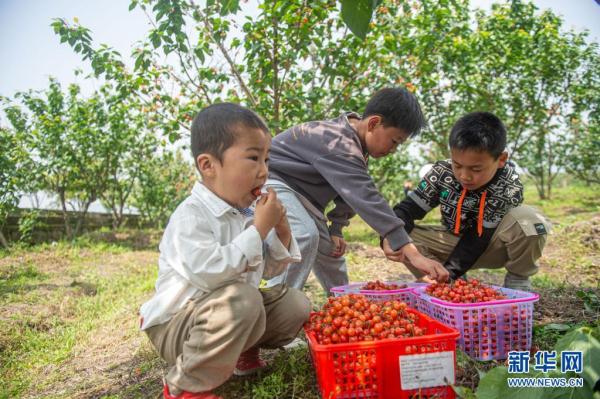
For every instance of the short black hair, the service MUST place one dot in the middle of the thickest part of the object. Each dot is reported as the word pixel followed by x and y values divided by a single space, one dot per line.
pixel 479 131
pixel 216 127
pixel 397 107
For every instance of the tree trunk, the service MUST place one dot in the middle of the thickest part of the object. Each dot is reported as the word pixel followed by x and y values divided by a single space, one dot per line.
pixel 541 189
pixel 82 216
pixel 550 178
pixel 120 220
pixel 3 240
pixel 275 63
pixel 63 203
pixel 117 216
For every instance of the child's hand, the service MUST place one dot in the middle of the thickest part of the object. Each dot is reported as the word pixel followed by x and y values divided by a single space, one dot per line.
pixel 396 256
pixel 283 230
pixel 268 213
pixel 433 269
pixel 339 246
pixel 426 279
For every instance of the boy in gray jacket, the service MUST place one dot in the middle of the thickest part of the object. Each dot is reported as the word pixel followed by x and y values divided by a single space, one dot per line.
pixel 317 162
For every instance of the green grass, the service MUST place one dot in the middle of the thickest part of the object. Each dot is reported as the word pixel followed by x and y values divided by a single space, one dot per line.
pixel 569 204
pixel 63 308
pixel 57 298
pixel 570 245
pixel 359 231
pixel 290 375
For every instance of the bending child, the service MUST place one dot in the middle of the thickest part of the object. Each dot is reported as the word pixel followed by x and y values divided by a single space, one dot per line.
pixel 485 224
pixel 318 162
pixel 208 318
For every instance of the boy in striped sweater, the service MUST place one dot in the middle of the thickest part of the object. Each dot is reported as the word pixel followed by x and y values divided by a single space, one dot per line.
pixel 484 223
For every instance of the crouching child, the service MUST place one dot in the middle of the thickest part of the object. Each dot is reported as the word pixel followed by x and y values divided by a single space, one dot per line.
pixel 484 221
pixel 208 318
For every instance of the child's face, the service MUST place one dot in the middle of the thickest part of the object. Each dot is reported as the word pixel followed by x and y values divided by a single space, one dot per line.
pixel 243 168
pixel 381 140
pixel 474 169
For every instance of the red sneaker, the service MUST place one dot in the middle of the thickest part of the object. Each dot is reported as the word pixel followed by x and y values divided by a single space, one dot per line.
pixel 249 362
pixel 189 395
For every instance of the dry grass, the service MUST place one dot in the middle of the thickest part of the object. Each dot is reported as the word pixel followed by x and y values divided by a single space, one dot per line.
pixel 111 358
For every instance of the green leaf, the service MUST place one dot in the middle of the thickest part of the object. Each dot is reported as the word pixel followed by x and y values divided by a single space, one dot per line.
pixel 494 386
pixel 229 6
pixel 557 327
pixel 590 300
pixel 173 137
pixel 199 53
pixel 582 339
pixel 138 62
pixel 357 15
pixel 464 392
pixel 481 373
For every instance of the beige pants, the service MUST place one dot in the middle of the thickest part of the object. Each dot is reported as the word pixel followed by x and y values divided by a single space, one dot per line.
pixel 516 244
pixel 204 340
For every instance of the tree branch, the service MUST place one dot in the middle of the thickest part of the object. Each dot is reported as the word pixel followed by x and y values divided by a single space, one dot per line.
pixel 225 53
pixel 275 64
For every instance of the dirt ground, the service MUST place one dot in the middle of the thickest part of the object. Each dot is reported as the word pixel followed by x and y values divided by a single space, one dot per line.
pixel 110 363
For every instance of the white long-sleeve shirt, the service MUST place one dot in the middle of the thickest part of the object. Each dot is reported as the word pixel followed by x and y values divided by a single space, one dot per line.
pixel 208 244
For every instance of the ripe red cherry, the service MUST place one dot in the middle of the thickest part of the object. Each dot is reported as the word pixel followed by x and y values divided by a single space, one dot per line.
pixel 380 286
pixel 462 291
pixel 361 320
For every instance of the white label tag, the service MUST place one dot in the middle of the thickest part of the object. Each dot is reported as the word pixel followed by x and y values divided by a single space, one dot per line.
pixel 426 370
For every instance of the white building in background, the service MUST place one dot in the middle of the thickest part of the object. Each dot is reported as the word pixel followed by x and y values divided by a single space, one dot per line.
pixel 47 201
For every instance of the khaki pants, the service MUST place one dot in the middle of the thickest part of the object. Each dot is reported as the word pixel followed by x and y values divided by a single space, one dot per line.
pixel 516 244
pixel 204 340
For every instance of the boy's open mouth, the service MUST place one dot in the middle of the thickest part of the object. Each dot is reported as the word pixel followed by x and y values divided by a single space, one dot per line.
pixel 256 191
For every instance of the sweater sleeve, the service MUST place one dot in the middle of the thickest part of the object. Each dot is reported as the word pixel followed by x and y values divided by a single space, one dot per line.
pixel 427 193
pixel 348 175
pixel 409 211
pixel 339 216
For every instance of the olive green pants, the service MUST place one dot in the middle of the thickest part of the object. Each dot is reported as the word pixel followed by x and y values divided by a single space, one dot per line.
pixel 204 340
pixel 516 245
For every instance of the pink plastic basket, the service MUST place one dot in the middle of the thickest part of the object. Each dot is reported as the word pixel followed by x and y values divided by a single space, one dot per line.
pixel 401 294
pixel 488 330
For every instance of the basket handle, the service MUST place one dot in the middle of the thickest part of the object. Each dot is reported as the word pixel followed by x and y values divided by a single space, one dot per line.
pixel 533 298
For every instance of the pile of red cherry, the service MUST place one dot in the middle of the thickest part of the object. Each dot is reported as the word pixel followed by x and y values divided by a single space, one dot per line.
pixel 380 286
pixel 353 318
pixel 464 291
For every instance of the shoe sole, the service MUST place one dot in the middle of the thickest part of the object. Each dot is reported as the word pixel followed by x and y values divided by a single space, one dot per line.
pixel 243 373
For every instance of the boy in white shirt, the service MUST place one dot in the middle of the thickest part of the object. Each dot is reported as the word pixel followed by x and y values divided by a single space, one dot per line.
pixel 208 318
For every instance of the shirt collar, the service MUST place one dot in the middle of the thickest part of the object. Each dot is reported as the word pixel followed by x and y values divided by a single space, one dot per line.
pixel 213 202
pixel 345 118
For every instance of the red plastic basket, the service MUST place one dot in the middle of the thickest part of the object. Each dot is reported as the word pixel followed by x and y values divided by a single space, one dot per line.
pixel 399 368
pixel 488 330
pixel 401 294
